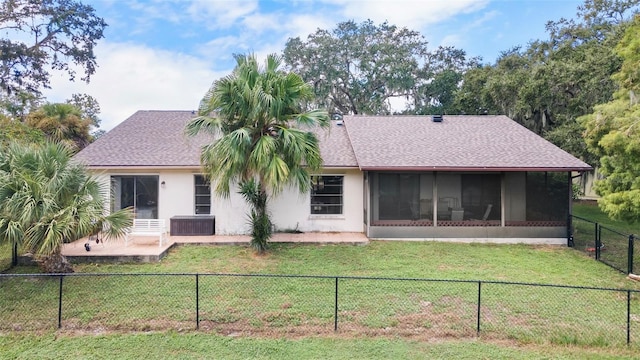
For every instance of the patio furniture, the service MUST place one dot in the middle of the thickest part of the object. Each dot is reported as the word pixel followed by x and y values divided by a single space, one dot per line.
pixel 457 214
pixel 147 227
pixel 192 225
pixel 445 206
pixel 426 209
pixel 487 212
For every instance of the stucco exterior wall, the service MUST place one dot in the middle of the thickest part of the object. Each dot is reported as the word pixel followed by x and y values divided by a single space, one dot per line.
pixel 292 210
pixel 289 210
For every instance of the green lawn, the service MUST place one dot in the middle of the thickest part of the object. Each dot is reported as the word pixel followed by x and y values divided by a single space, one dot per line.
pixel 263 317
pixel 614 235
pixel 207 346
pixel 5 255
pixel 304 307
pixel 590 210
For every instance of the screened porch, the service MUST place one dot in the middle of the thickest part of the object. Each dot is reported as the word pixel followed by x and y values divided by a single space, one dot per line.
pixel 448 199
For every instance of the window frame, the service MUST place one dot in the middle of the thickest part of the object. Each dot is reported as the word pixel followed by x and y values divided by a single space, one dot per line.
pixel 197 196
pixel 324 209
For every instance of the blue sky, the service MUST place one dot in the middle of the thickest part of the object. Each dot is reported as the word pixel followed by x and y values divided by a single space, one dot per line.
pixel 164 55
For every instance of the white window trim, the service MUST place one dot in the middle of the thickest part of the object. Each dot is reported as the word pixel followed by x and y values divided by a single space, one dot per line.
pixel 340 216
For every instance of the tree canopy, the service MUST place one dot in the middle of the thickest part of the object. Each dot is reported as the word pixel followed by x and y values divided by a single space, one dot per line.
pixel 39 36
pixel 550 83
pixel 46 200
pixel 63 123
pixel 613 134
pixel 362 68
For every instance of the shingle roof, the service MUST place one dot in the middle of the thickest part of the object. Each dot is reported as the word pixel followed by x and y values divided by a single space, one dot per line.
pixel 156 139
pixel 335 148
pixel 457 143
pixel 470 143
pixel 146 139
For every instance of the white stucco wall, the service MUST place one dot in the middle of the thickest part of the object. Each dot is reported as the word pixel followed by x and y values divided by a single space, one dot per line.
pixel 288 210
pixel 292 210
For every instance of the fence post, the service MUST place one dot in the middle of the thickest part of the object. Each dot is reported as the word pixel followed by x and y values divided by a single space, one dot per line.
pixel 60 303
pixel 14 254
pixel 630 255
pixel 479 303
pixel 598 233
pixel 197 302
pixel 570 242
pixel 335 309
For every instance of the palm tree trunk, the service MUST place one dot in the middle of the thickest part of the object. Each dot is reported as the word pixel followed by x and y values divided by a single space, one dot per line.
pixel 55 263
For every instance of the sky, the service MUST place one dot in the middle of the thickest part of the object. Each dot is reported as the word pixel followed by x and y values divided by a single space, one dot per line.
pixel 165 54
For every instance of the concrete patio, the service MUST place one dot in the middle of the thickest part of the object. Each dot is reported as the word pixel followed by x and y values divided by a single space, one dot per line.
pixel 146 249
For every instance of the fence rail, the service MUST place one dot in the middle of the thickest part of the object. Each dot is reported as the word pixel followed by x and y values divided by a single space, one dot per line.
pixel 606 245
pixel 283 305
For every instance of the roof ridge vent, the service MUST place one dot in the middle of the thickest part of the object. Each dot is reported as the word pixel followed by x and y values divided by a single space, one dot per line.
pixel 436 118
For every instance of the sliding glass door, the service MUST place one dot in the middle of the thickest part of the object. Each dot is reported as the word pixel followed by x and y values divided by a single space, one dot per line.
pixel 137 192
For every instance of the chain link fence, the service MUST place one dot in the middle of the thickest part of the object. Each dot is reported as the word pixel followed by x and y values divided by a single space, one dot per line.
pixel 282 305
pixel 607 245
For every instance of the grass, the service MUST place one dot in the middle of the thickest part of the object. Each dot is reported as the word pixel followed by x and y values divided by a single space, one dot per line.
pixel 279 307
pixel 205 346
pixel 590 210
pixel 5 256
pixel 614 235
pixel 260 317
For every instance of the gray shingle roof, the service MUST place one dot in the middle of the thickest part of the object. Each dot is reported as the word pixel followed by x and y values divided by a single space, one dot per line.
pixel 156 139
pixel 335 147
pixel 457 143
pixel 146 139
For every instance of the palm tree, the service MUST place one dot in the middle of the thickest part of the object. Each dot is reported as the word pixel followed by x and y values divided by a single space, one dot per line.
pixel 262 136
pixel 46 200
pixel 62 123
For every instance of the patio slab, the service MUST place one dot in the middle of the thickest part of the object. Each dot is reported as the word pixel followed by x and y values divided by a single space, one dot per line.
pixel 146 249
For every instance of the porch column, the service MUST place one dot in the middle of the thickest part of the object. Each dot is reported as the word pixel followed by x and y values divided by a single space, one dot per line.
pixel 435 198
pixel 503 201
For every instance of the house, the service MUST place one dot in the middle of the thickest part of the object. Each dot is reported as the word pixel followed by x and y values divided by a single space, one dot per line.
pixel 391 177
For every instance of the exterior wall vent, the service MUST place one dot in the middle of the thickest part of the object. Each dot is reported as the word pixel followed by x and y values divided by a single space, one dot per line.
pixel 436 118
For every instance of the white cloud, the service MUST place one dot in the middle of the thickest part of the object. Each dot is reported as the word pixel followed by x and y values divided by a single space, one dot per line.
pixel 302 25
pixel 259 23
pixel 451 40
pixel 220 13
pixel 413 14
pixel 134 77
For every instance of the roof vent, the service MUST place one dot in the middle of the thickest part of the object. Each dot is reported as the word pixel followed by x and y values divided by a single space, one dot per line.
pixel 436 118
pixel 337 117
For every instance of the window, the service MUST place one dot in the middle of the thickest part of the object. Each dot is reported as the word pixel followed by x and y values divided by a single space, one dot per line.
pixel 327 194
pixel 137 192
pixel 202 191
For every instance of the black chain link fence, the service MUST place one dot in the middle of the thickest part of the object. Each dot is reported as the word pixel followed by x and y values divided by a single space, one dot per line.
pixel 607 245
pixel 281 305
